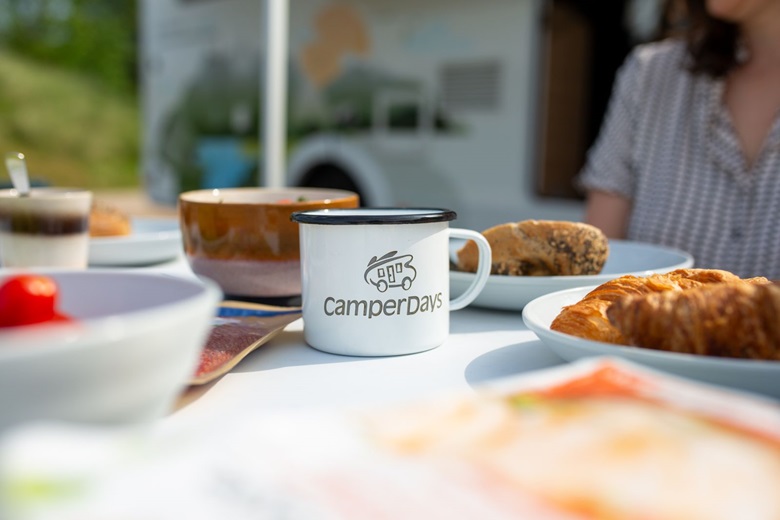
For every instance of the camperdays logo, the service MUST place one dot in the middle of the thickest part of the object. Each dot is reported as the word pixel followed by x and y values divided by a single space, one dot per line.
pixel 391 271
pixel 386 272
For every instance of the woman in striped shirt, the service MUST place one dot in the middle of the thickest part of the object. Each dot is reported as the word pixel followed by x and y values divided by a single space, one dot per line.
pixel 689 154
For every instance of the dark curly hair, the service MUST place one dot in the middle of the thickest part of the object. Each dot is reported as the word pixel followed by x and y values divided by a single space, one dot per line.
pixel 712 43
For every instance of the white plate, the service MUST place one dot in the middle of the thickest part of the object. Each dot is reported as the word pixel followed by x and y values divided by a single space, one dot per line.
pixel 514 292
pixel 746 374
pixel 152 240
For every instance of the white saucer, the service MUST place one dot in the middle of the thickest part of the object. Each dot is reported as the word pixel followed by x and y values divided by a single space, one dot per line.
pixel 153 240
pixel 625 257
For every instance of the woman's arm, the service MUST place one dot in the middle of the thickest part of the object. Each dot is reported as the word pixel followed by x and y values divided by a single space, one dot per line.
pixel 608 212
pixel 609 174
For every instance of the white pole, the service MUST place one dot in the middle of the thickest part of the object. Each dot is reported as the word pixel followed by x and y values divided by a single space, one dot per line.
pixel 274 91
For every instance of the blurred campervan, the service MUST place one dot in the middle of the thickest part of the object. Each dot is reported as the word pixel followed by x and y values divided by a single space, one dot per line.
pixel 485 108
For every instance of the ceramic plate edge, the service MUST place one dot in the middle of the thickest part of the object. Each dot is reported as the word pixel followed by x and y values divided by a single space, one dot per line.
pixel 494 295
pixel 543 331
pixel 137 248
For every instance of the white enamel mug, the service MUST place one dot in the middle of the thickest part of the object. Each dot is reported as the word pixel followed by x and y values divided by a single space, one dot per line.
pixel 375 281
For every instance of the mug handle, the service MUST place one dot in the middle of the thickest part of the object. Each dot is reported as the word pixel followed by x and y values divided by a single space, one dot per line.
pixel 483 268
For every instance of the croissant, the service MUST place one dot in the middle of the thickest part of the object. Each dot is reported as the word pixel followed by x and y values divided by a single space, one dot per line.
pixel 730 320
pixel 588 319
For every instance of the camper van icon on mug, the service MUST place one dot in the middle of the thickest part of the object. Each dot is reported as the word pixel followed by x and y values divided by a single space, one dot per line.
pixel 391 271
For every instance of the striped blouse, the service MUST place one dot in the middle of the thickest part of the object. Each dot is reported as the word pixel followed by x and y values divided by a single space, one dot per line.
pixel 668 144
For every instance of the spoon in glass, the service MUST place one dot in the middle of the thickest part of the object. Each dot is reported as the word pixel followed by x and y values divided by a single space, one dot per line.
pixel 14 161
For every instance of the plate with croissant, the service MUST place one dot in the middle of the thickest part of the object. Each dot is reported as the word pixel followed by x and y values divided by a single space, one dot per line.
pixel 706 324
pixel 535 257
pixel 137 241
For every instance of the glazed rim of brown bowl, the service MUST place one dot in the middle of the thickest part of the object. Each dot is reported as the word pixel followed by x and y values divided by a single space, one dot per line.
pixel 266 196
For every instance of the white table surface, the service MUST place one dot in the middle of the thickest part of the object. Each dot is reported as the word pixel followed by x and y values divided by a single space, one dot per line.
pixel 286 374
pixel 186 470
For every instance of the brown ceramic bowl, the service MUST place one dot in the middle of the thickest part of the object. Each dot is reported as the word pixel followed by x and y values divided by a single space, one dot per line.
pixel 243 238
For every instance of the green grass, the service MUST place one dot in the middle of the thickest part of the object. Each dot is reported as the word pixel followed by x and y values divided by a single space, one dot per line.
pixel 73 131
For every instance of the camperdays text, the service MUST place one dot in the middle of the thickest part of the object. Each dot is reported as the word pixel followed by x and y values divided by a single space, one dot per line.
pixel 407 306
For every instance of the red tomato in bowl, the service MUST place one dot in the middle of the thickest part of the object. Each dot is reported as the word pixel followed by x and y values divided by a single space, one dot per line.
pixel 27 299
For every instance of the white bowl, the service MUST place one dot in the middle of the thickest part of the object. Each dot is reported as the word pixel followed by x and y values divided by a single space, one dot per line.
pixel 135 344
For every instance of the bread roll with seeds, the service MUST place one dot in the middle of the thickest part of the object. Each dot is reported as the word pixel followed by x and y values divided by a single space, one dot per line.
pixel 540 248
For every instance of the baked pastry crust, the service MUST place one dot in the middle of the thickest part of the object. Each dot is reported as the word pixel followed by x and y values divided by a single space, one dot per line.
pixel 588 318
pixel 730 320
pixel 107 221
pixel 540 248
